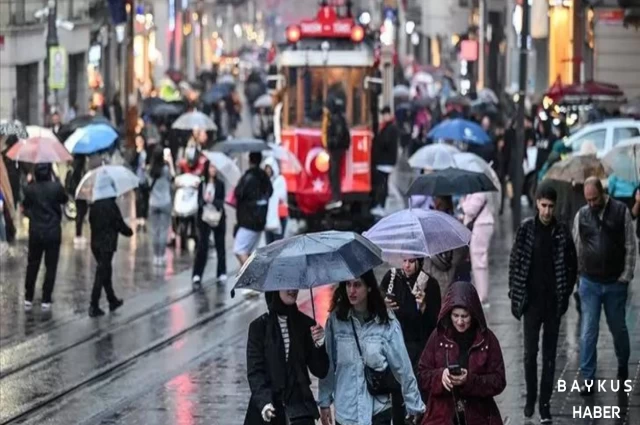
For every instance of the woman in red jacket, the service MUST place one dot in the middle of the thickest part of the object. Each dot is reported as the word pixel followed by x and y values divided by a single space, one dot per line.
pixel 461 369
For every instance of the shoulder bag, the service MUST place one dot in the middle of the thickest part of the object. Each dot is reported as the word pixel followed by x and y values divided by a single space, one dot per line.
pixel 378 382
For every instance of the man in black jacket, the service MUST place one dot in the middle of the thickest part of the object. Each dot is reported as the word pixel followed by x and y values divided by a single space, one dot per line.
pixel 604 236
pixel 42 204
pixel 338 140
pixel 542 272
pixel 385 156
pixel 106 223
pixel 252 198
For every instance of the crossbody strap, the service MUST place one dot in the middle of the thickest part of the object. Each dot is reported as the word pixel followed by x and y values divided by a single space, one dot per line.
pixel 353 326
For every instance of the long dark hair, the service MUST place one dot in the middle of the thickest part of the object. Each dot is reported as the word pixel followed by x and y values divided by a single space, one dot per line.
pixel 206 175
pixel 375 303
pixel 157 162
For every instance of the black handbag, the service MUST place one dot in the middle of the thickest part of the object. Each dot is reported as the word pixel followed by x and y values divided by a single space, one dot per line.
pixel 378 382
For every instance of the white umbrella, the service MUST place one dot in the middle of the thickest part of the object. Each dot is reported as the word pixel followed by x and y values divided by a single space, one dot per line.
pixel 194 120
pixel 225 166
pixel 434 157
pixel 37 131
pixel 471 162
pixel 290 163
pixel 264 101
pixel 401 91
pixel 106 181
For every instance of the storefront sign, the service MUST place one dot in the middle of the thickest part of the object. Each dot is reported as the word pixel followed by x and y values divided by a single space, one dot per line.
pixel 57 68
pixel 469 50
pixel 610 16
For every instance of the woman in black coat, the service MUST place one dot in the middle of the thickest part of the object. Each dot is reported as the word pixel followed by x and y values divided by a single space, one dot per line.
pixel 211 194
pixel 415 299
pixel 283 346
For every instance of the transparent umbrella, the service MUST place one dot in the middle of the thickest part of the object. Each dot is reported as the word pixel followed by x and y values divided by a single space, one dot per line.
pixel 309 260
pixel 417 233
pixel 106 181
pixel 194 120
pixel 624 160
pixel 434 157
pixel 225 166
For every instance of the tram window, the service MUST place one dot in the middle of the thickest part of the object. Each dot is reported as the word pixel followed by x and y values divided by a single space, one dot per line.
pixel 357 94
pixel 292 88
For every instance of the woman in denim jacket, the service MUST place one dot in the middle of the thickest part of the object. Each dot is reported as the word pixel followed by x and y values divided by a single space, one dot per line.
pixel 382 346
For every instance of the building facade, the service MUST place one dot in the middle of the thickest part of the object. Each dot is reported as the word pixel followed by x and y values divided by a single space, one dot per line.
pixel 23 52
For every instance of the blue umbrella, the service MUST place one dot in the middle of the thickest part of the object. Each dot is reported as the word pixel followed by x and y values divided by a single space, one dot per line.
pixel 460 130
pixel 217 93
pixel 91 139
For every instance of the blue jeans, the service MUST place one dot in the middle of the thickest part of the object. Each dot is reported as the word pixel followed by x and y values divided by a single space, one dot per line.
pixel 613 297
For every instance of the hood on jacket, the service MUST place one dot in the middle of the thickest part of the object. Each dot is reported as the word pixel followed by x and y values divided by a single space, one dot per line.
pixel 462 294
pixel 42 172
pixel 273 163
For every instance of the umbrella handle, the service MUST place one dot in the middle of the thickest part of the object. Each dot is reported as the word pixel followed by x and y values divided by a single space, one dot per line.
pixel 313 304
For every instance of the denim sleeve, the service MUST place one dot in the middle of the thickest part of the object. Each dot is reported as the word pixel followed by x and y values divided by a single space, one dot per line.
pixel 577 240
pixel 326 386
pixel 400 364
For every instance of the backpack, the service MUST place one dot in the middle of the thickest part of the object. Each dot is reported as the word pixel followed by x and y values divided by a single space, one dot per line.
pixel 339 137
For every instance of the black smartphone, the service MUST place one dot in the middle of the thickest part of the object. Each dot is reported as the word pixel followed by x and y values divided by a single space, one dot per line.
pixel 455 370
pixel 391 296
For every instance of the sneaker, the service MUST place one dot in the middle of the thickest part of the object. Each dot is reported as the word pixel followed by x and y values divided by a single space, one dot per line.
pixel 222 279
pixel 45 307
pixel 377 211
pixel 333 205
pixel 28 305
pixel 115 305
pixel 95 312
pixel 586 391
pixel 196 281
pixel 545 414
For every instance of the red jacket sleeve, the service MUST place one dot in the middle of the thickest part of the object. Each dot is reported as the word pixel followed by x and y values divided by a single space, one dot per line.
pixel 429 374
pixel 491 382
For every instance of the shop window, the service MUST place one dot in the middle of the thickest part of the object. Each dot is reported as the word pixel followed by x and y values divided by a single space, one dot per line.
pixel 597 138
pixel 622 134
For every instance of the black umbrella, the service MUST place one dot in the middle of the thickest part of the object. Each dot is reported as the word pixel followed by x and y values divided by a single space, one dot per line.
pixel 309 260
pixel 451 181
pixel 150 103
pixel 164 110
pixel 241 145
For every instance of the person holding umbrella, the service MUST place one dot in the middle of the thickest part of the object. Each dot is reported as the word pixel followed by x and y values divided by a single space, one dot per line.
pixel 42 203
pixel 283 346
pixel 360 317
pixel 101 187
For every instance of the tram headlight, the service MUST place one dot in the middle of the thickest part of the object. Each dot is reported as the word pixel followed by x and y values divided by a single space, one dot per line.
pixel 322 162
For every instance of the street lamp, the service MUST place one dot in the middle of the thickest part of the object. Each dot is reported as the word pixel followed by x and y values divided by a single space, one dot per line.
pixel 365 18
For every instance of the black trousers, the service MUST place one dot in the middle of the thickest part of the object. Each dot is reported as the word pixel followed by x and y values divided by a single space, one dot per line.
pixel 335 168
pixel 142 203
pixel 50 248
pixel 81 208
pixel 104 271
pixel 534 319
pixel 380 188
pixel 202 250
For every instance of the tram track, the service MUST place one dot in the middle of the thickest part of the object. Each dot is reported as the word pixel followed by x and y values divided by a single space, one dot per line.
pixel 8 370
pixel 45 365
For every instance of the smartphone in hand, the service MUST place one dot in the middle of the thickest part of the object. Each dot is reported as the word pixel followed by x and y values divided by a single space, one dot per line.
pixel 455 370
